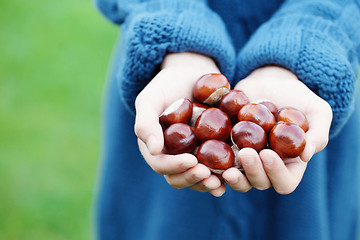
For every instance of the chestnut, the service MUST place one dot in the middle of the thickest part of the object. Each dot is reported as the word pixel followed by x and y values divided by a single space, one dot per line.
pixel 258 114
pixel 198 108
pixel 232 102
pixel 216 155
pixel 178 112
pixel 293 115
pixel 270 105
pixel 287 139
pixel 213 124
pixel 210 88
pixel 179 138
pixel 248 134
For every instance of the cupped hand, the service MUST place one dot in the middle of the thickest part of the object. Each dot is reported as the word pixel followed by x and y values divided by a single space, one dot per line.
pixel 175 80
pixel 266 169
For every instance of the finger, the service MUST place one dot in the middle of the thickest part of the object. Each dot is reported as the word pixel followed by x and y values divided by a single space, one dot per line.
pixel 236 180
pixel 317 136
pixel 167 164
pixel 253 168
pixel 285 175
pixel 189 177
pixel 210 183
pixel 147 126
pixel 316 140
pixel 219 191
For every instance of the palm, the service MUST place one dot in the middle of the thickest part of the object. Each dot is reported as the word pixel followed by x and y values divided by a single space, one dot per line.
pixel 281 87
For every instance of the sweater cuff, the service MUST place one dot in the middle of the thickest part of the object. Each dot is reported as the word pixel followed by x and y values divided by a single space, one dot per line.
pixel 169 26
pixel 316 51
pixel 110 10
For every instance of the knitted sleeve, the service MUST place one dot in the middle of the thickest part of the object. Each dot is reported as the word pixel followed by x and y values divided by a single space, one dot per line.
pixel 317 40
pixel 150 29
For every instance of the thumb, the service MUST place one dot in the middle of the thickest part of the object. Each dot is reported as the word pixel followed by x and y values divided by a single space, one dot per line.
pixel 147 127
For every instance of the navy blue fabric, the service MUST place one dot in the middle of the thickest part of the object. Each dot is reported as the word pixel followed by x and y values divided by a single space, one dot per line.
pixel 136 203
pixel 318 40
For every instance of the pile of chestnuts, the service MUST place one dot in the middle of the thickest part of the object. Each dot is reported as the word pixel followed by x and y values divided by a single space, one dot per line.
pixel 221 121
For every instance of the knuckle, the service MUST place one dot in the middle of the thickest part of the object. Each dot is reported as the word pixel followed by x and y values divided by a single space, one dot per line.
pixel 329 109
pixel 139 128
pixel 139 99
pixel 183 166
pixel 191 178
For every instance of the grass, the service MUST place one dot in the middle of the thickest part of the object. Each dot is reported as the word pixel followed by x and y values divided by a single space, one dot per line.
pixel 53 63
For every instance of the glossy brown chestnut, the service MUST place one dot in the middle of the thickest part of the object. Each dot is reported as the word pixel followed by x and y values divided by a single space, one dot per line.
pixel 232 102
pixel 178 112
pixel 210 88
pixel 216 155
pixel 198 109
pixel 248 134
pixel 287 140
pixel 271 106
pixel 258 114
pixel 179 138
pixel 293 115
pixel 213 124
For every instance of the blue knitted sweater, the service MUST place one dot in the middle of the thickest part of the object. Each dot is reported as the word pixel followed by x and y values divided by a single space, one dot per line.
pixel 318 40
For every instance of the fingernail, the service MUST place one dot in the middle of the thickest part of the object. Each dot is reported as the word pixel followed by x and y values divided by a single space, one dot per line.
pixel 151 144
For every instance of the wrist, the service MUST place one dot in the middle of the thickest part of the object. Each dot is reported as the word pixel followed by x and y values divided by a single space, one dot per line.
pixel 273 71
pixel 190 60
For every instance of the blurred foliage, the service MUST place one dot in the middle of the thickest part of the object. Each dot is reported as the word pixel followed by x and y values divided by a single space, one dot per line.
pixel 53 63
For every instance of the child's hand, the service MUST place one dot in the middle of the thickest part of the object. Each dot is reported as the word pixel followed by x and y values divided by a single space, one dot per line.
pixel 267 169
pixel 175 80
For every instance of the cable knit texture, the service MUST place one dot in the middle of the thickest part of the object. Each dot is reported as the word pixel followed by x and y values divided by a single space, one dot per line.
pixel 155 28
pixel 315 41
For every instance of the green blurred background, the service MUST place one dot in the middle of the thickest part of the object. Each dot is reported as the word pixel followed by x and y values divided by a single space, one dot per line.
pixel 54 57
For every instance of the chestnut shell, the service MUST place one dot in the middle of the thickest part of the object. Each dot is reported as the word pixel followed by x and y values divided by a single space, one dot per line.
pixel 198 109
pixel 179 138
pixel 270 105
pixel 210 88
pixel 179 111
pixel 293 115
pixel 216 155
pixel 249 134
pixel 213 124
pixel 287 140
pixel 258 114
pixel 232 102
